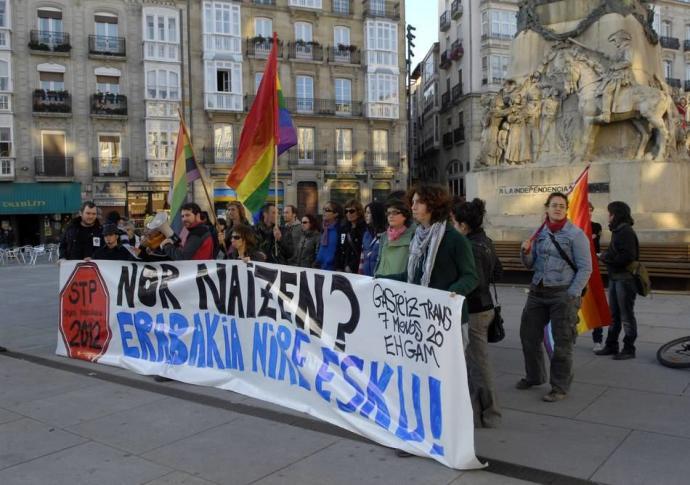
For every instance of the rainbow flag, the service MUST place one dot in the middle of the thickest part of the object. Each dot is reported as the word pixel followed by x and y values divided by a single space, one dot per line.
pixel 267 132
pixel 594 311
pixel 185 171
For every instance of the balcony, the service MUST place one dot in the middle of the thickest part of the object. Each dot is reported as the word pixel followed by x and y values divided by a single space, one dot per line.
pixel 307 158
pixel 162 108
pixel 444 21
pixel 445 101
pixel 6 168
pixel 109 104
pixel 687 86
pixel 341 7
pixel 379 8
pixel 47 41
pixel 387 111
pixel 219 155
pixel 673 82
pixel 456 9
pixel 259 47
pixel 445 60
pixel 110 166
pixel 348 162
pixel 161 51
pixel 269 3
pixel 456 50
pixel 223 101
pixel 448 140
pixel 669 42
pixel 54 166
pixel 308 4
pixel 497 37
pixel 430 144
pixel 159 169
pixel 456 93
pixel 305 51
pixel 100 45
pixel 51 101
pixel 459 134
pixel 317 106
pixel 686 45
pixel 382 161
pixel 344 54
pixel 227 44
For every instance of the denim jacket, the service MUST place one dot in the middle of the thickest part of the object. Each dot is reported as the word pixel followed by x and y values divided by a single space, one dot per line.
pixel 551 269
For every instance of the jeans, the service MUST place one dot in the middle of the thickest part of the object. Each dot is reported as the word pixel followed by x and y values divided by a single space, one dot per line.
pixel 482 392
pixel 622 294
pixel 544 305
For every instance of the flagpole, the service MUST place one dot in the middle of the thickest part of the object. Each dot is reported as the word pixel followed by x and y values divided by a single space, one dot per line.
pixel 201 172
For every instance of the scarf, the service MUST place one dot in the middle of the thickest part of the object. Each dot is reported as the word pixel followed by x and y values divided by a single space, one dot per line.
pixel 424 247
pixel 554 227
pixel 324 234
pixel 394 234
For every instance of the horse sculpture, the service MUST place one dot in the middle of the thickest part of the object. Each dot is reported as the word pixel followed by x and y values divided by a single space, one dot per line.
pixel 648 108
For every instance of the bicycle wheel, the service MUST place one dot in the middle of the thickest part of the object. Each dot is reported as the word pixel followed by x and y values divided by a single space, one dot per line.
pixel 675 354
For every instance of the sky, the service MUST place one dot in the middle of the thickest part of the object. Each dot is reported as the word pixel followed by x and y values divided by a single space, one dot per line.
pixel 422 14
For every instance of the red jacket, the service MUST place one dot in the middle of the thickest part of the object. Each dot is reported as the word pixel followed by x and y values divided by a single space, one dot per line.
pixel 199 245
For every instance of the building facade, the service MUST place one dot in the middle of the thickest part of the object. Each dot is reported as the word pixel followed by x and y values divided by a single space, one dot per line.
pixel 91 91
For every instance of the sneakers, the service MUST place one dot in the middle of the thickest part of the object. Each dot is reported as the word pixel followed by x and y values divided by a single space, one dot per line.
pixel 523 384
pixel 554 396
pixel 598 346
pixel 606 351
pixel 625 355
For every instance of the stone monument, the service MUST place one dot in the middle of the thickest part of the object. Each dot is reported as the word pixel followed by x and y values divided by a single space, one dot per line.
pixel 585 87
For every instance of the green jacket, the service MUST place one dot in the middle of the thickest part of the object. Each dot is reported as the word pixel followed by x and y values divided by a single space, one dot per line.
pixel 454 268
pixel 393 254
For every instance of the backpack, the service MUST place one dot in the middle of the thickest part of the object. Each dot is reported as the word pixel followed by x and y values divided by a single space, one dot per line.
pixel 642 282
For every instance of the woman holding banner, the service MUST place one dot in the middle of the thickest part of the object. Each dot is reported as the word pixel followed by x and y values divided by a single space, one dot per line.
pixel 560 255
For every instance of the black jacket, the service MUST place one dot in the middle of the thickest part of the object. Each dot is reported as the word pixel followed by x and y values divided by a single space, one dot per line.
pixel 489 270
pixel 349 250
pixel 623 249
pixel 79 242
pixel 118 253
pixel 198 246
pixel 267 243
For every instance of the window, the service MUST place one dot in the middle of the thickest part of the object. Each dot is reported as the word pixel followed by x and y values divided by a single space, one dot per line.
pixel 106 32
pixel 429 68
pixel 341 36
pixel 456 182
pixel 305 3
pixel 379 141
pixel 303 31
pixel 666 28
pixel 258 76
pixel 3 13
pixel 162 84
pixel 223 143
pixel 343 96
pixel 52 81
pixel 109 156
pixel 382 88
pixel 341 6
pixel 263 27
pixel 430 95
pixel 5 142
pixel 161 27
pixel 50 28
pixel 499 68
pixel 343 146
pixel 108 84
pixel 500 24
pixel 305 144
pixel 4 76
pixel 4 102
pixel 305 94
pixel 668 69
pixel 382 40
pixel 222 26
pixel 160 142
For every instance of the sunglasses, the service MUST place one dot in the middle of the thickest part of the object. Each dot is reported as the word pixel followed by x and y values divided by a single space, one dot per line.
pixel 305 222
pixel 350 211
pixel 328 210
pixel 393 213
pixel 235 237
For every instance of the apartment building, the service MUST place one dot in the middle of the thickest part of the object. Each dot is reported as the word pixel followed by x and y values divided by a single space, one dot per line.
pixel 90 93
pixel 470 59
pixel 672 23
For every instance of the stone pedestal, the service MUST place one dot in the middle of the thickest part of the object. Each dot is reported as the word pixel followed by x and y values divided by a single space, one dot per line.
pixel 657 192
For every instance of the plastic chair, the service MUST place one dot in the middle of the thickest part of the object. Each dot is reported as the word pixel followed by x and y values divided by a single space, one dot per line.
pixel 16 254
pixel 36 252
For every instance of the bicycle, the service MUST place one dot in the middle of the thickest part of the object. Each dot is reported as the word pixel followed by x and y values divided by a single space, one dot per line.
pixel 675 354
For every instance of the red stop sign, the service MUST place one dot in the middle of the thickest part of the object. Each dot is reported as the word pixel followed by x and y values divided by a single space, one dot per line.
pixel 84 312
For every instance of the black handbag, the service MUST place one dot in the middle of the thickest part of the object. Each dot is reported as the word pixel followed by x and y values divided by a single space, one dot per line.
pixel 496 332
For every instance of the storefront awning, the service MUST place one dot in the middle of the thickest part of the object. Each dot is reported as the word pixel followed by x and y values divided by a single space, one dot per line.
pixel 45 198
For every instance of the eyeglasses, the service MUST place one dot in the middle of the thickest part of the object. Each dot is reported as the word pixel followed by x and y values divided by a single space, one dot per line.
pixel 350 211
pixel 558 206
pixel 235 237
pixel 328 210
pixel 393 213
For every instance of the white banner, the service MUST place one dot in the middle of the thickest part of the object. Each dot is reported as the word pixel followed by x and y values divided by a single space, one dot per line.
pixel 377 357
